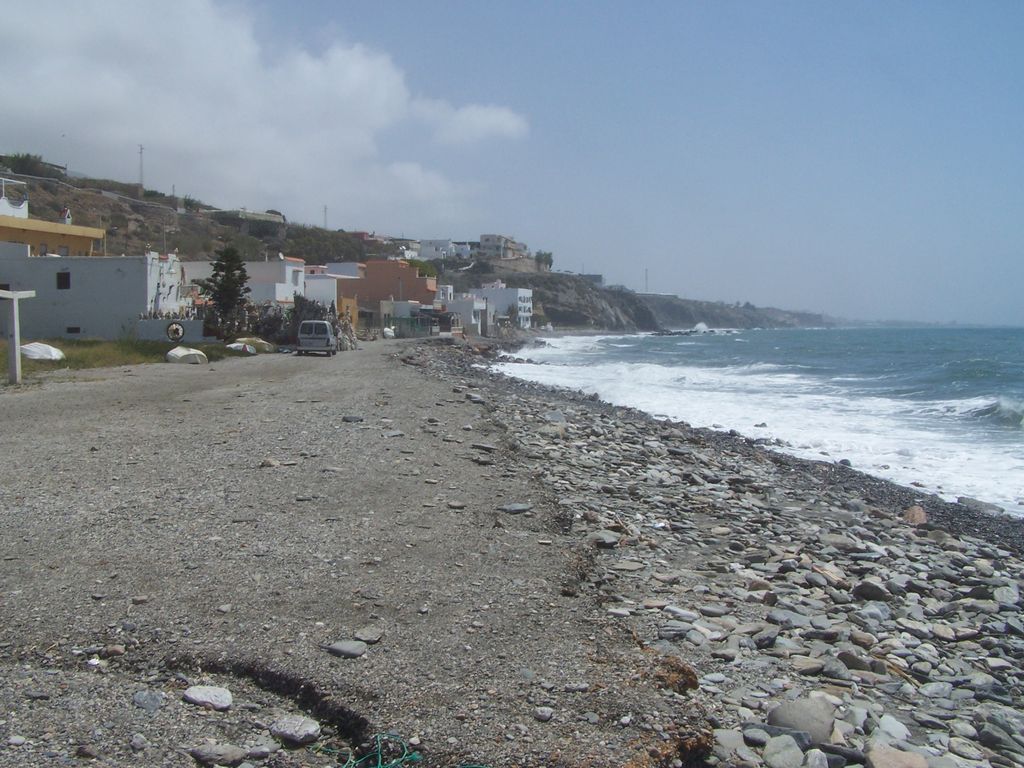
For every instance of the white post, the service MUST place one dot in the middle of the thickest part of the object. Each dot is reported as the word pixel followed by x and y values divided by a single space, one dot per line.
pixel 14 334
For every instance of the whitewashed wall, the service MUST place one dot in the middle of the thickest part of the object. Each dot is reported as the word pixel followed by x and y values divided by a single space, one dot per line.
pixel 104 299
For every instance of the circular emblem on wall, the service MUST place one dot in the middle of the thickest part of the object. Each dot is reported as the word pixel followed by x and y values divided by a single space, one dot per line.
pixel 175 331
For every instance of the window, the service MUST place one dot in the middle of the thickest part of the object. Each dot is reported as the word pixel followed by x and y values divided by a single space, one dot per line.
pixel 73 329
pixel 63 281
pixel 42 249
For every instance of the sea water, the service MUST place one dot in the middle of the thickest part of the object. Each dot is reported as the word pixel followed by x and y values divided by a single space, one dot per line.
pixel 939 409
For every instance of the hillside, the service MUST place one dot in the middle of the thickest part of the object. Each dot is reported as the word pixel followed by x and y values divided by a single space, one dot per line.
pixel 195 230
pixel 571 301
pixel 568 301
pixel 158 221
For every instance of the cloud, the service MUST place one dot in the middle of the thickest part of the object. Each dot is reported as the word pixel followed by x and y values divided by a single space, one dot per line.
pixel 472 123
pixel 228 118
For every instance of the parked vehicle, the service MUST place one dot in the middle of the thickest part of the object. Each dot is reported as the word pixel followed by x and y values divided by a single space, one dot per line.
pixel 317 336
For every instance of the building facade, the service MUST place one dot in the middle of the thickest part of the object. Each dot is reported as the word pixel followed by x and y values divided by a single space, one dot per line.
pixel 516 304
pixel 273 281
pixel 325 289
pixel 93 297
pixel 473 311
pixel 385 280
pixel 502 247
pixel 436 249
pixel 45 237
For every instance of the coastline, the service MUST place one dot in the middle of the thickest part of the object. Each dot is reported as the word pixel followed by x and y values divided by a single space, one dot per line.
pixel 557 581
pixel 949 471
pixel 854 577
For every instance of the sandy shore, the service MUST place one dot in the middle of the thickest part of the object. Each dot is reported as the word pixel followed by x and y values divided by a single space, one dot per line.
pixel 497 573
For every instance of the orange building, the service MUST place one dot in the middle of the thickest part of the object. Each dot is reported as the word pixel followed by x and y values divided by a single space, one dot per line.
pixel 389 281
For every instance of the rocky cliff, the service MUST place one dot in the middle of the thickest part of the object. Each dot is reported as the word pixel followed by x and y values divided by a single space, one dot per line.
pixel 571 301
pixel 673 312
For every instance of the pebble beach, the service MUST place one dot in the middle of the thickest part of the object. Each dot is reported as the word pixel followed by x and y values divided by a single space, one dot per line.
pixel 274 561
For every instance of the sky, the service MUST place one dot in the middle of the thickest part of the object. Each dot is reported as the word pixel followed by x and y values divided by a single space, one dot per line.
pixel 860 159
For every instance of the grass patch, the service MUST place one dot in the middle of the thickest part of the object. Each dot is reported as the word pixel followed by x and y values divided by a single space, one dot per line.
pixel 96 353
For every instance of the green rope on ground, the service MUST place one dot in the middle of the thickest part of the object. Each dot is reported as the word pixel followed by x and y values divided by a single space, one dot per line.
pixel 377 757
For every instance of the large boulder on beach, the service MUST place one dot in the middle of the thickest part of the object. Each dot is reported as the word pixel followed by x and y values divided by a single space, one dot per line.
pixel 882 756
pixel 872 591
pixel 816 716
pixel 218 754
pixel 782 752
pixel 295 730
pixel 208 696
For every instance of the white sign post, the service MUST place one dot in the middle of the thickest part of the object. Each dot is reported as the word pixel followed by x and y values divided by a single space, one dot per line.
pixel 14 334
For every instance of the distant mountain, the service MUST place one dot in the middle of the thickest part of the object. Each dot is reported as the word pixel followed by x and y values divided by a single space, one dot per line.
pixel 675 313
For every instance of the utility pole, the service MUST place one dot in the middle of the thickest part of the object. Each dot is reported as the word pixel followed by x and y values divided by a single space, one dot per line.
pixel 325 217
pixel 67 162
pixel 141 187
pixel 645 281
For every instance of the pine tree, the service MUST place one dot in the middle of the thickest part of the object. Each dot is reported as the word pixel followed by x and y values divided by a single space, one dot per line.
pixel 227 288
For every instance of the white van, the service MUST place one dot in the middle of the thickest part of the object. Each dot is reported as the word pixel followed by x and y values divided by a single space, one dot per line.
pixel 316 336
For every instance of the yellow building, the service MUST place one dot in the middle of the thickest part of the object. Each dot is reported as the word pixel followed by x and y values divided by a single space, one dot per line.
pixel 43 237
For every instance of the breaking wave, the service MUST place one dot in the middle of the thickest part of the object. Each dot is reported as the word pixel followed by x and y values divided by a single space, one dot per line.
pixel 1004 411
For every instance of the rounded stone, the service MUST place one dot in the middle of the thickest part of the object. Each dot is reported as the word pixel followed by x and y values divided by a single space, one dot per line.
pixel 295 730
pixel 890 726
pixel 815 716
pixel 218 754
pixel 543 714
pixel 369 634
pixel 210 696
pixel 783 752
pixel 964 748
pixel 347 649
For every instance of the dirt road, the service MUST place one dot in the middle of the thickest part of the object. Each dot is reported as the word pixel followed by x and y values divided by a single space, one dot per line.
pixel 165 525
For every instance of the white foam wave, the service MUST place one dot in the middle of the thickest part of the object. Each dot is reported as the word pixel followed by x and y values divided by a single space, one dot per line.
pixel 894 439
pixel 563 347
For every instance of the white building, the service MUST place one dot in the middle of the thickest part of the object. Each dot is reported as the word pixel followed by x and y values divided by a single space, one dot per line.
pixel 436 249
pixel 445 293
pixel 463 249
pixel 473 311
pixel 323 288
pixel 94 296
pixel 274 281
pixel 516 303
